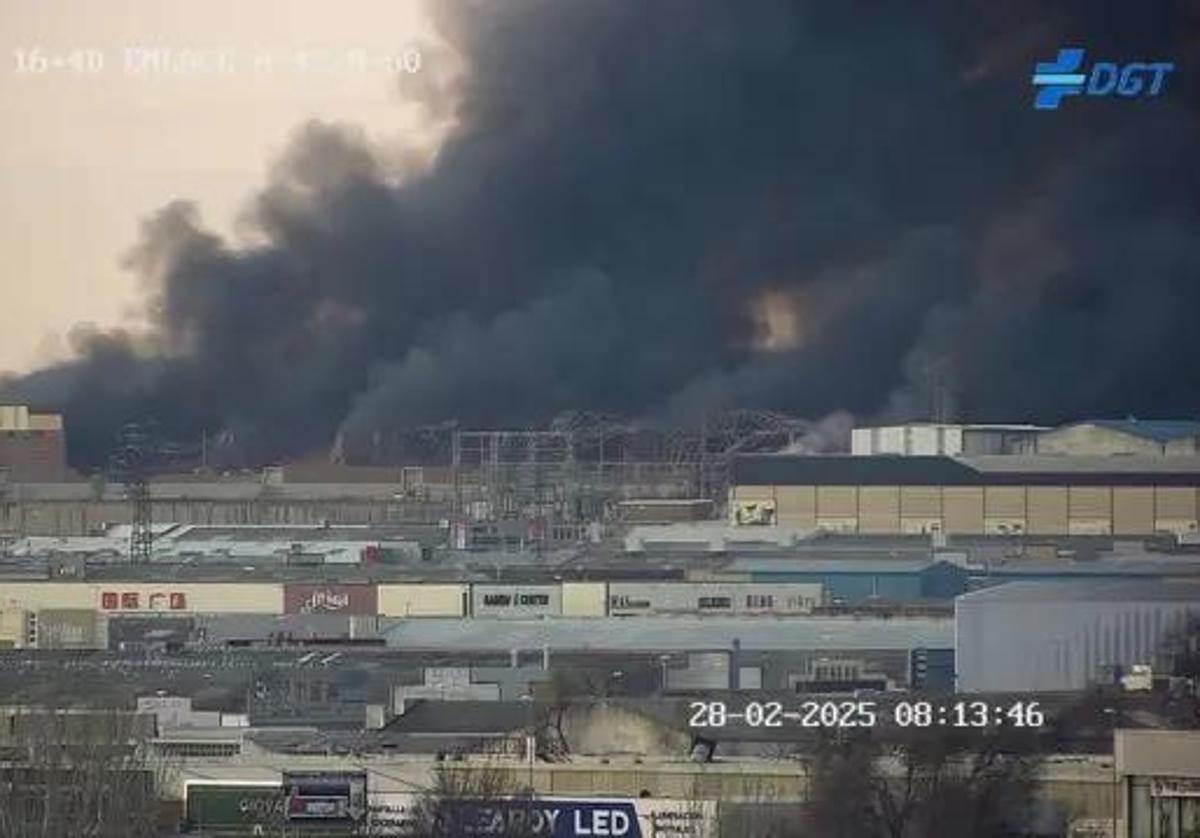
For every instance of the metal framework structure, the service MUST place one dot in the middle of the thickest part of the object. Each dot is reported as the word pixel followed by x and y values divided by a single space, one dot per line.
pixel 570 469
pixel 129 465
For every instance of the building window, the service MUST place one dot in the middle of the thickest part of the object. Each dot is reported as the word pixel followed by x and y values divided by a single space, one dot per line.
pixel 198 749
pixel 108 600
pixel 760 601
pixel 715 602
pixel 130 600
pixel 497 599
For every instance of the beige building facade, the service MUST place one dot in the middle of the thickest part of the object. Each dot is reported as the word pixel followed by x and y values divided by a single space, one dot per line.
pixel 913 495
pixel 134 598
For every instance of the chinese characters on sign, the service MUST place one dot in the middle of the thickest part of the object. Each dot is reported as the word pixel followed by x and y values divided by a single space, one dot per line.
pixel 132 601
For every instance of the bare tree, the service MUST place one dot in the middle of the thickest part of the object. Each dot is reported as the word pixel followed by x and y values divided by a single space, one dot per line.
pixel 465 798
pixel 552 701
pixel 760 814
pixel 931 784
pixel 843 782
pixel 78 773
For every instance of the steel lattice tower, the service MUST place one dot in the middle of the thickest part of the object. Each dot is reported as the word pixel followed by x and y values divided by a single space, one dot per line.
pixel 128 465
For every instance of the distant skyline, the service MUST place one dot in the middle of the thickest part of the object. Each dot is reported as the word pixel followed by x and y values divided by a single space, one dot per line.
pixel 85 158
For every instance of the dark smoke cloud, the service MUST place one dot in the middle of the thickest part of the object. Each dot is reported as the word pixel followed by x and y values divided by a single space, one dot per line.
pixel 627 180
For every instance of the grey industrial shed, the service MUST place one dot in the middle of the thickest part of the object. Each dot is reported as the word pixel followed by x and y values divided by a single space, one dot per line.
pixel 1044 636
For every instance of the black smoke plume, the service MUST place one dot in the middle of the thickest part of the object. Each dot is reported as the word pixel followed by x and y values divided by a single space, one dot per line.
pixel 661 209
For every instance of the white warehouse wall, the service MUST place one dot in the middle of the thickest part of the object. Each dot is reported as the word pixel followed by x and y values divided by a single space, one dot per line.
pixel 1007 643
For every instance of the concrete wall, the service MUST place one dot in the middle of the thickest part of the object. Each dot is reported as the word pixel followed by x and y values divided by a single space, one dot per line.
pixel 1157 753
pixel 34 595
pixel 585 599
pixel 1083 789
pixel 419 600
pixel 12 627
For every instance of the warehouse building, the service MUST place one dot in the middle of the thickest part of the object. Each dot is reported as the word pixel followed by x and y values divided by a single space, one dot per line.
pixel 1127 437
pixel 986 495
pixel 1088 438
pixel 641 598
pixel 1045 636
pixel 852 581
pixel 935 438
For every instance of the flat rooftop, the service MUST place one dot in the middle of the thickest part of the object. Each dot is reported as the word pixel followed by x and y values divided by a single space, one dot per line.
pixel 670 634
pixel 1172 590
pixel 901 470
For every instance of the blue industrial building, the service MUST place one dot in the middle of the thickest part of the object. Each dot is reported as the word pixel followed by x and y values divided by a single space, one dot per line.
pixel 853 581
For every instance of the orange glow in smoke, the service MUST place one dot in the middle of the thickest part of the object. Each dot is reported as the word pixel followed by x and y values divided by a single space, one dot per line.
pixel 778 321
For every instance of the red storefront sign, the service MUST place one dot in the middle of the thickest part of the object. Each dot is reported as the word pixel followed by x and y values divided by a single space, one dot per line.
pixel 308 598
pixel 133 601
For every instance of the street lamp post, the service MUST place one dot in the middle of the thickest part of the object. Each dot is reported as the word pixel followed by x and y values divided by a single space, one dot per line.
pixel 1111 712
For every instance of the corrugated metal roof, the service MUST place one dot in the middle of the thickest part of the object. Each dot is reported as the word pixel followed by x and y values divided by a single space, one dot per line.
pixel 1081 591
pixel 478 717
pixel 900 470
pixel 1062 464
pixel 1144 567
pixel 848 470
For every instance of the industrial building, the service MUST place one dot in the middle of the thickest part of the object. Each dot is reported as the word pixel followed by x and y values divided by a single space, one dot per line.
pixel 1159 776
pixel 940 439
pixel 1087 438
pixel 852 580
pixel 639 598
pixel 32 445
pixel 984 495
pixel 1123 437
pixel 1046 636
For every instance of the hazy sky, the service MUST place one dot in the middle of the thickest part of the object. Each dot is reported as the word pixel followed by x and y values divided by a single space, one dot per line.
pixel 85 156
